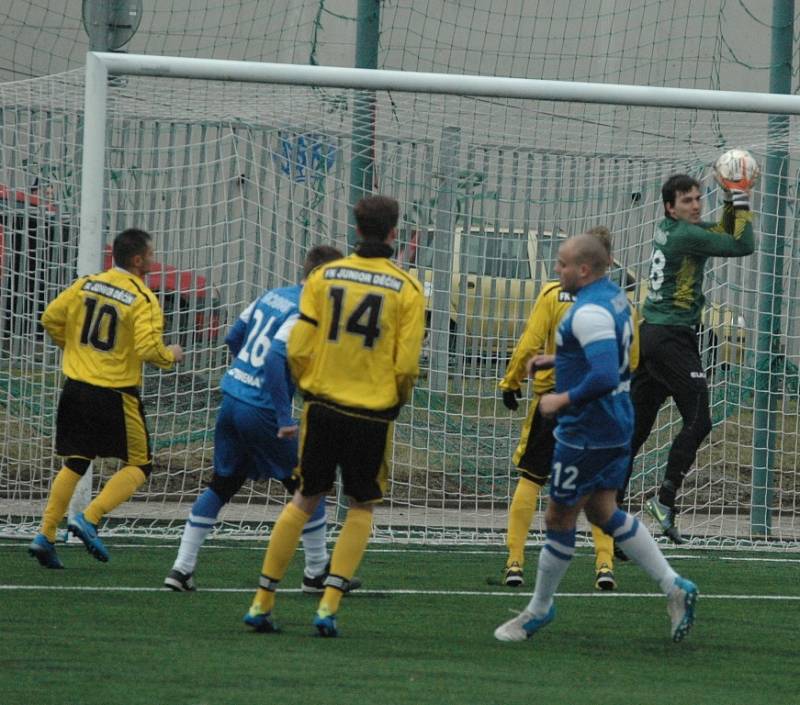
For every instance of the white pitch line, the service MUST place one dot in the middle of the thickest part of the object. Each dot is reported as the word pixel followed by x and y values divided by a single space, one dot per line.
pixel 443 593
pixel 762 560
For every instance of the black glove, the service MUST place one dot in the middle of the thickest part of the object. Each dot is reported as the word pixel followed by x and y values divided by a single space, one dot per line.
pixel 510 397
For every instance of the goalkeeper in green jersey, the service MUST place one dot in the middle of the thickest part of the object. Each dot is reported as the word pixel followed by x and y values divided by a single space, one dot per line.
pixel 670 364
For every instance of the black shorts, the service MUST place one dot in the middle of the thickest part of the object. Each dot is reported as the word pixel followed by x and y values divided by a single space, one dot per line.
pixel 98 422
pixel 670 362
pixel 359 445
pixel 534 456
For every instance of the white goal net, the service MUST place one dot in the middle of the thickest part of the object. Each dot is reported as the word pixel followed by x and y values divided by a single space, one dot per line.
pixel 237 180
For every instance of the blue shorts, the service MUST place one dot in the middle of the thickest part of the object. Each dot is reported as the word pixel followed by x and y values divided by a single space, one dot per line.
pixel 246 443
pixel 578 472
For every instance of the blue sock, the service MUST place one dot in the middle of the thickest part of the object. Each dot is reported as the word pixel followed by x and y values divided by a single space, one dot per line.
pixel 207 505
pixel 634 538
pixel 201 520
pixel 554 559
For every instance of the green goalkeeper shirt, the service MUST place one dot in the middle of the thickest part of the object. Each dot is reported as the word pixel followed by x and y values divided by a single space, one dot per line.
pixel 677 266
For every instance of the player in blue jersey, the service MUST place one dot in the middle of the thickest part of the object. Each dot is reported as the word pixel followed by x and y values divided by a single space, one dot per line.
pixel 255 435
pixel 593 433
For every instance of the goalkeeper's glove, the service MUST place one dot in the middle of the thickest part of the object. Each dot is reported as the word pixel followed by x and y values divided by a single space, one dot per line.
pixel 737 198
pixel 510 397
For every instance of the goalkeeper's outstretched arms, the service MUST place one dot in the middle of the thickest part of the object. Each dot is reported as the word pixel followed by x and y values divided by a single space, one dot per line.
pixel 733 236
pixel 736 172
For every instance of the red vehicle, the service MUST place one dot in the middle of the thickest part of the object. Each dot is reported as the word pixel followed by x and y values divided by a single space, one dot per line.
pixel 190 305
pixel 36 250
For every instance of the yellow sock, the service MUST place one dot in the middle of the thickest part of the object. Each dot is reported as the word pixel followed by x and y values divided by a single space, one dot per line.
pixel 118 489
pixel 603 549
pixel 60 494
pixel 520 516
pixel 347 555
pixel 280 549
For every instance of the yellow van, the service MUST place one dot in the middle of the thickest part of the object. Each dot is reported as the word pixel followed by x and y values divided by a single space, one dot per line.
pixel 496 276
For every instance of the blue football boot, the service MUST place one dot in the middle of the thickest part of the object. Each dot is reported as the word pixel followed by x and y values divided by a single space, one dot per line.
pixel 523 626
pixel 326 625
pixel 87 533
pixel 44 551
pixel 681 602
pixel 260 621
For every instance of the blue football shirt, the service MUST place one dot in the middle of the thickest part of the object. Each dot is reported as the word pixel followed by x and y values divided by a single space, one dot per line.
pixel 264 326
pixel 599 318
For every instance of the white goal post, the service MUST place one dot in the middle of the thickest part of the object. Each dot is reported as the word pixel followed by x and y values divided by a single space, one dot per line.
pixel 239 167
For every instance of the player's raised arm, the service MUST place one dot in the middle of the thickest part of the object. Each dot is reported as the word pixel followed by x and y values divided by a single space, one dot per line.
pixel 736 172
pixel 733 236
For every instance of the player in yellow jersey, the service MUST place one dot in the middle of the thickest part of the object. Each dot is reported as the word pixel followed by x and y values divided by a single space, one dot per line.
pixel 534 454
pixel 354 353
pixel 107 324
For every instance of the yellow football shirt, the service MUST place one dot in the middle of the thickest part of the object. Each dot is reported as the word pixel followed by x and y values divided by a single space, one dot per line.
pixel 107 325
pixel 539 337
pixel 358 339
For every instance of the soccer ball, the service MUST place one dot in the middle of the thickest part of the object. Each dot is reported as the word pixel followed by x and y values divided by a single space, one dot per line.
pixel 736 170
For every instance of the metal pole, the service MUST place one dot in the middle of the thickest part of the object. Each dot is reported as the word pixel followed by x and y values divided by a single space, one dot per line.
pixel 99 37
pixel 362 176
pixel 90 223
pixel 448 84
pixel 90 241
pixel 773 228
pixel 442 284
pixel 362 159
pixel 110 23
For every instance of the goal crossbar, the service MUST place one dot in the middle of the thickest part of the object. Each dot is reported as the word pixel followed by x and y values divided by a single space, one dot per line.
pixel 454 84
pixel 101 65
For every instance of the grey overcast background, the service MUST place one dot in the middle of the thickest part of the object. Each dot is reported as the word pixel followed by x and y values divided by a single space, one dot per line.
pixel 723 44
